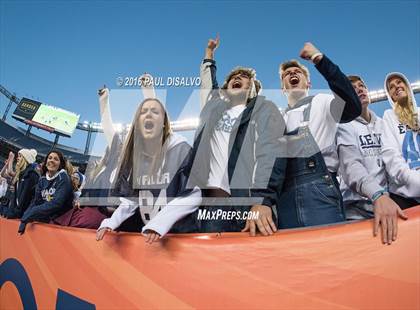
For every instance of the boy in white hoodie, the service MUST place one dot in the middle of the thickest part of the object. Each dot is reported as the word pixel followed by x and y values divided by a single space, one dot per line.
pixel 401 141
pixel 363 181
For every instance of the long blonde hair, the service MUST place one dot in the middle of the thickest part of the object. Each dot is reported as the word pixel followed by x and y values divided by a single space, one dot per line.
pixel 406 113
pixel 125 166
pixel 20 168
pixel 70 169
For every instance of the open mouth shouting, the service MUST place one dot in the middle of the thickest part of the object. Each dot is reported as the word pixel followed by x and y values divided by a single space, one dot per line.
pixel 149 125
pixel 294 80
pixel 237 84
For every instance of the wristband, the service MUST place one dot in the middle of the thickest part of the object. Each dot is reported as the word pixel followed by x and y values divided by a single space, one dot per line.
pixel 315 56
pixel 378 194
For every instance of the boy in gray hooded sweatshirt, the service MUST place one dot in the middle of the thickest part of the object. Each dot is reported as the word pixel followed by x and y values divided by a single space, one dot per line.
pixel 236 159
pixel 363 181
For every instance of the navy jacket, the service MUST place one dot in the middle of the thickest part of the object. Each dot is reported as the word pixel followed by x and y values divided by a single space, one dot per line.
pixel 24 192
pixel 52 198
pixel 342 90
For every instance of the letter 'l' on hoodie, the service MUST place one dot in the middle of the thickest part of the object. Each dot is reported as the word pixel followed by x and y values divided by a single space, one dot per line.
pixel 401 148
pixel 361 166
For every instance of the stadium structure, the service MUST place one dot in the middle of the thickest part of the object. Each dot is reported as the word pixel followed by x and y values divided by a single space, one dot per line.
pixel 13 138
pixel 325 267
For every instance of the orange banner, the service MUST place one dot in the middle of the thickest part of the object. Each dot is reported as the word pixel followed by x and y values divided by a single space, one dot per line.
pixel 334 267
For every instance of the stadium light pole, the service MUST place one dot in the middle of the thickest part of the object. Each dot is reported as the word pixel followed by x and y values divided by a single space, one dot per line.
pixel 28 131
pixel 8 107
pixel 89 135
pixel 57 136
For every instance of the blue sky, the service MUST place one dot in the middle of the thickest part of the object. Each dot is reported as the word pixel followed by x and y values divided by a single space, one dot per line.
pixel 62 52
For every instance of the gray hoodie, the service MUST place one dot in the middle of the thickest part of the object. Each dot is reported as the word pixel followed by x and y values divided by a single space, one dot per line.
pixel 159 199
pixel 362 172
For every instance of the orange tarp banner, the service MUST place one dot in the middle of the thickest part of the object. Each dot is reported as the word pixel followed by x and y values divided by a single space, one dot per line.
pixel 333 267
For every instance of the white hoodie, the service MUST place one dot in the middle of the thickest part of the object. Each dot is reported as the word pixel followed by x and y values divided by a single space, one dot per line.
pixel 400 151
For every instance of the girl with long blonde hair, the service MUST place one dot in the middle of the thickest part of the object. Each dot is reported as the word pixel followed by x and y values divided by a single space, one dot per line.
pixel 23 183
pixel 401 141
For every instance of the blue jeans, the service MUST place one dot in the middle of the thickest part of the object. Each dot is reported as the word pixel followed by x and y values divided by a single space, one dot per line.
pixel 310 195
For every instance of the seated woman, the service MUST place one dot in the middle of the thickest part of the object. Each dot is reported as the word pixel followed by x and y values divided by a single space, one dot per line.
pixel 24 183
pixel 401 141
pixel 79 216
pixel 151 178
pixel 54 192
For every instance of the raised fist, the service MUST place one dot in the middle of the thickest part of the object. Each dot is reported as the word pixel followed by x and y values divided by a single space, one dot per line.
pixel 308 51
pixel 147 85
pixel 213 43
pixel 103 92
pixel 146 80
pixel 11 157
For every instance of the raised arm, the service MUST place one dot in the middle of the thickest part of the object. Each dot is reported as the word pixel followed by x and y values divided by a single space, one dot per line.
pixel 4 169
pixel 7 170
pixel 106 119
pixel 346 105
pixel 147 86
pixel 208 71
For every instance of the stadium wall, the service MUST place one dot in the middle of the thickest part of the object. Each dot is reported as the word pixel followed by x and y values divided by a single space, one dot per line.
pixel 332 267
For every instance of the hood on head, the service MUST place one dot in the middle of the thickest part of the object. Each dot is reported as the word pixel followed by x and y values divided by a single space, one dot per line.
pixel 82 179
pixel 404 78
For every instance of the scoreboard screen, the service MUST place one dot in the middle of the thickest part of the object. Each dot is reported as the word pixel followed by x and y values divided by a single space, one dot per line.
pixel 46 117
pixel 26 109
